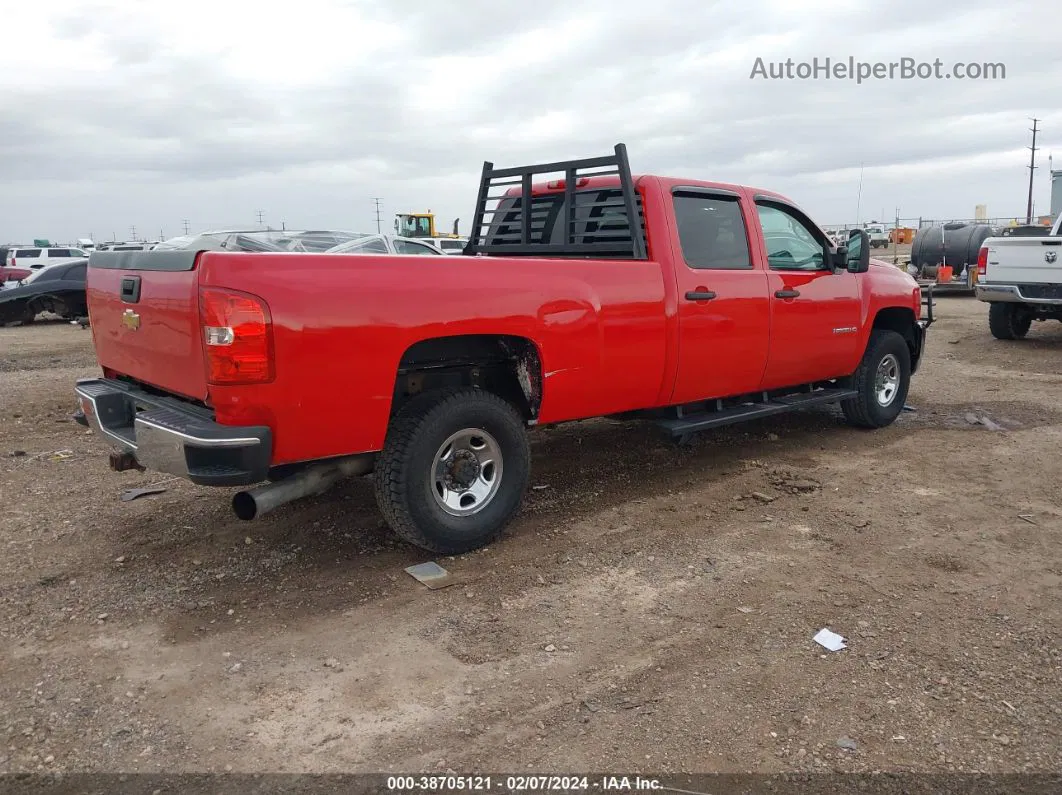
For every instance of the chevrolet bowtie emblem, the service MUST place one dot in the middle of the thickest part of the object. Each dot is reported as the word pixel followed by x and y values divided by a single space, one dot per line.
pixel 131 320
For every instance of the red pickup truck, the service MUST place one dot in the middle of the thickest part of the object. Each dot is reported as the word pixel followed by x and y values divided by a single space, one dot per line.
pixel 686 303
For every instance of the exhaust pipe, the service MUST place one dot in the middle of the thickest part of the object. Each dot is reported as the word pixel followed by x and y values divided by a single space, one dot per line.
pixel 316 479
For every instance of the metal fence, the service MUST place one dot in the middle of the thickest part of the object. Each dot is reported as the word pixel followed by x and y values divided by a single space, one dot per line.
pixel 920 222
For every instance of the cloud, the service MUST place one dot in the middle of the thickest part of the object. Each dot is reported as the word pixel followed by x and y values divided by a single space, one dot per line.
pixel 118 115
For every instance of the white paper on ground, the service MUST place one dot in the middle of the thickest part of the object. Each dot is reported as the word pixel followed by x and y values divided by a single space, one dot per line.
pixel 829 640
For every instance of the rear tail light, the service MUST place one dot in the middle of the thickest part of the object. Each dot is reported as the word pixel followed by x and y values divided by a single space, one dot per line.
pixel 982 261
pixel 237 337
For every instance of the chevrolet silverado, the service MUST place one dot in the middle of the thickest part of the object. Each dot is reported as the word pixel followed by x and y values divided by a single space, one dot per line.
pixel 686 303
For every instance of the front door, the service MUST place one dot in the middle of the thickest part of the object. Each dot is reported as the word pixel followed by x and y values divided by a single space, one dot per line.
pixel 723 308
pixel 815 312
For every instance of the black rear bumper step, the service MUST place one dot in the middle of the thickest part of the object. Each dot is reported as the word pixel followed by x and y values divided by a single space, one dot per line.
pixel 691 423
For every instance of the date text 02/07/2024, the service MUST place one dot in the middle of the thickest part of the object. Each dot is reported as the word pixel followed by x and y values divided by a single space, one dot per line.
pixel 522 783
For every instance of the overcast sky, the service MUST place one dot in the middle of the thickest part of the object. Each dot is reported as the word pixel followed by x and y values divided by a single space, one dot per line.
pixel 115 114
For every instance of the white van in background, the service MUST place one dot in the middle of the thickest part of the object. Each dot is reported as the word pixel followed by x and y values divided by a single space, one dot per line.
pixel 34 258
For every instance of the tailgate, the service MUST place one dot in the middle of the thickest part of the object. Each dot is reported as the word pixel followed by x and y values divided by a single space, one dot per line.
pixel 144 314
pixel 1024 260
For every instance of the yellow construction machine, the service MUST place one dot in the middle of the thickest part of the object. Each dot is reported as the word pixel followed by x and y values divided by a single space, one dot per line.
pixel 420 225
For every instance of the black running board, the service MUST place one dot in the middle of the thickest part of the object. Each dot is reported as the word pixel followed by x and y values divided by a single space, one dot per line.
pixel 691 423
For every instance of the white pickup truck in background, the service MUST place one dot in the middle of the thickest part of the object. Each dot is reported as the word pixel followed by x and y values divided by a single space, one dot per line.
pixel 1021 280
pixel 878 234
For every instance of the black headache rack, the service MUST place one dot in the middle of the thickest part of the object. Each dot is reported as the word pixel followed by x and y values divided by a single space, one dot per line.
pixel 583 220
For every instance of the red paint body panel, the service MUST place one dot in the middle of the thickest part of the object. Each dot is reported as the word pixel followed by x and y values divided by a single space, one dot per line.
pixel 9 274
pixel 599 327
pixel 816 335
pixel 612 336
pixel 167 350
pixel 723 343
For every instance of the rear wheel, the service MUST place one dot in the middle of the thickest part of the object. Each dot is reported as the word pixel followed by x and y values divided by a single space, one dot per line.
pixel 882 381
pixel 1008 321
pixel 454 469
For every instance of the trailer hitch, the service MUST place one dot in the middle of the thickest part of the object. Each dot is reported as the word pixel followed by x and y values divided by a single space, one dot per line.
pixel 122 460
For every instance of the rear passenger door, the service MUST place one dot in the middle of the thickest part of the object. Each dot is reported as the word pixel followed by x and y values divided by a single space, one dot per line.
pixel 723 302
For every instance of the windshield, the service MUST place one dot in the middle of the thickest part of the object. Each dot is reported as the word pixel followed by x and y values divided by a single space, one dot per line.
pixel 413 226
pixel 363 244
pixel 259 240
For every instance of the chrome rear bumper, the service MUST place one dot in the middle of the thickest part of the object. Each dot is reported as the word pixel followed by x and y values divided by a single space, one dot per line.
pixel 1012 293
pixel 168 435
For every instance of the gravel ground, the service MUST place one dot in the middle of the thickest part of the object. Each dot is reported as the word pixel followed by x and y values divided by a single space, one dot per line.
pixel 652 609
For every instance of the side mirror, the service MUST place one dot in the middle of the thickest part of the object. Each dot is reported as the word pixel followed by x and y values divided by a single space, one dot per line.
pixel 857 253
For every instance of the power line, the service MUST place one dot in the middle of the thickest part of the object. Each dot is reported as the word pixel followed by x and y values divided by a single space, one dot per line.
pixel 1032 169
pixel 377 200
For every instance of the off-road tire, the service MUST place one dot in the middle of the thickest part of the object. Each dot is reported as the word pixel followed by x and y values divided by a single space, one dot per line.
pixel 1008 321
pixel 403 469
pixel 864 410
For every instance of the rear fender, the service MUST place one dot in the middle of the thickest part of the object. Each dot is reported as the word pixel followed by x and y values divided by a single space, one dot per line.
pixel 508 365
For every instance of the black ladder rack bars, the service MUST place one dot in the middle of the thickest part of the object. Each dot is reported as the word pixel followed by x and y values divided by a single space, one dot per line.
pixel 523 176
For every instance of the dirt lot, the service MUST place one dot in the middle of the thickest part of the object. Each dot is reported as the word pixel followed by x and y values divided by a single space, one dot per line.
pixel 646 612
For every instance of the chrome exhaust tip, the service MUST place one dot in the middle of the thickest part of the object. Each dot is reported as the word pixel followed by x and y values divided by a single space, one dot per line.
pixel 317 479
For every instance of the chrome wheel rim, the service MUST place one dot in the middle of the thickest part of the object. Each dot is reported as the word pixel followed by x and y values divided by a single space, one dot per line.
pixel 887 380
pixel 467 472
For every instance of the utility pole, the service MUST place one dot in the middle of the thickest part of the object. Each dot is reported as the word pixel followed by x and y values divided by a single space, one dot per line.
pixel 895 236
pixel 1032 169
pixel 260 214
pixel 186 225
pixel 859 195
pixel 377 200
pixel 132 231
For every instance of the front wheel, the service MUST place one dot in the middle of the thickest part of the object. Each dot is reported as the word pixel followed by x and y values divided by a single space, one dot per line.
pixel 454 470
pixel 882 381
pixel 27 313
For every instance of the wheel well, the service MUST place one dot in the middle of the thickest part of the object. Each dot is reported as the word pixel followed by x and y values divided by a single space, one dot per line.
pixel 506 365
pixel 901 320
